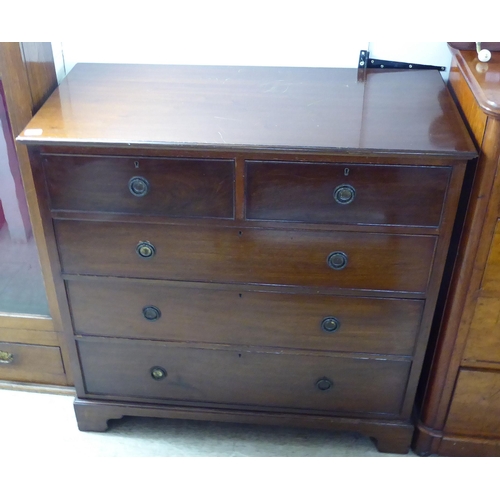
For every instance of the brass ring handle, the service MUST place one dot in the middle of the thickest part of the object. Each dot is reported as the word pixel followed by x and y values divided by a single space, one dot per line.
pixel 158 373
pixel 344 194
pixel 145 250
pixel 138 186
pixel 151 313
pixel 324 384
pixel 330 324
pixel 6 357
pixel 337 260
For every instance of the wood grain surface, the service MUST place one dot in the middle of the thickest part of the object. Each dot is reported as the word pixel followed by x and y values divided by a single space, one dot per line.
pixel 120 368
pixel 252 107
pixel 228 255
pixel 242 317
pixel 177 187
pixel 384 195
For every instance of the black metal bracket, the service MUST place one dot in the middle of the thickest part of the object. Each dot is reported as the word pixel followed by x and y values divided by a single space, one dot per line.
pixel 366 62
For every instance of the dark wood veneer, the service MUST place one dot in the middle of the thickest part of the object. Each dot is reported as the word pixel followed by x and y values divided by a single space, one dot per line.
pixel 384 195
pixel 229 255
pixel 244 377
pixel 180 187
pixel 242 299
pixel 243 317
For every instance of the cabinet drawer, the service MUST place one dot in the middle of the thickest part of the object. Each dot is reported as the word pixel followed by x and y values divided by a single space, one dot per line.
pixel 491 278
pixel 475 407
pixel 123 369
pixel 321 322
pixel 368 194
pixel 172 187
pixel 31 363
pixel 230 255
pixel 483 341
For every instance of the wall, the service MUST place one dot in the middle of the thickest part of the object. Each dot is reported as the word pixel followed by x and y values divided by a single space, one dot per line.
pixel 315 48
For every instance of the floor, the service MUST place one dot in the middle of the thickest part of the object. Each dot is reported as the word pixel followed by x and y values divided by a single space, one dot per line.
pixel 54 433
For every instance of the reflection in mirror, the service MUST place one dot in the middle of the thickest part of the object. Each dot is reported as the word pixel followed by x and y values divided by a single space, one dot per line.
pixel 22 289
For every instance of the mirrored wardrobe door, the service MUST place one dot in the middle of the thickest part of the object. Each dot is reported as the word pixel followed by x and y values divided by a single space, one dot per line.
pixel 31 347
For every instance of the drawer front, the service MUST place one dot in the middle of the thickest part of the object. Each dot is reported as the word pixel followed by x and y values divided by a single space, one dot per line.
pixel 31 363
pixel 124 369
pixel 346 194
pixel 240 317
pixel 475 407
pixel 491 279
pixel 223 254
pixel 483 341
pixel 172 187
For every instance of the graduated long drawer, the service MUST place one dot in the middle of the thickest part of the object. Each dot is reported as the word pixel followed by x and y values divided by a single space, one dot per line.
pixel 231 255
pixel 153 370
pixel 118 308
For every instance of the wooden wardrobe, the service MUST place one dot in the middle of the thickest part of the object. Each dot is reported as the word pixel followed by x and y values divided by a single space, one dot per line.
pixel 30 350
pixel 460 415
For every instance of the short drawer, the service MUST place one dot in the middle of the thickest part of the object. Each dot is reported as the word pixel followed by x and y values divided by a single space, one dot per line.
pixel 121 369
pixel 218 316
pixel 345 193
pixel 475 406
pixel 232 255
pixel 171 187
pixel 31 363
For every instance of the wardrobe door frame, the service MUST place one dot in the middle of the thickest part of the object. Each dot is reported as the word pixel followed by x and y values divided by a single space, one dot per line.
pixel 28 78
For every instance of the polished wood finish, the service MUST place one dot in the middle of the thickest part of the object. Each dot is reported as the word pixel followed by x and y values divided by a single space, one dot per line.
pixel 389 436
pixel 242 300
pixel 475 117
pixel 179 187
pixel 32 363
pixel 475 404
pixel 483 341
pixel 251 108
pixel 22 336
pixel 242 377
pixel 231 255
pixel 244 317
pixel 459 413
pixel 384 195
pixel 28 78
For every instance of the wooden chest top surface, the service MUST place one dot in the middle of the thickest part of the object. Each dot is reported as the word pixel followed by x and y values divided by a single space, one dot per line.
pixel 304 109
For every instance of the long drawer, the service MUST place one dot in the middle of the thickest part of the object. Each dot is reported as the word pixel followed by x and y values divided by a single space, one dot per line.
pixel 228 255
pixel 172 187
pixel 241 317
pixel 154 370
pixel 346 193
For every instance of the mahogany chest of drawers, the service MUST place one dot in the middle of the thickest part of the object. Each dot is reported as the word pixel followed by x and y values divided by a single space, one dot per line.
pixel 259 245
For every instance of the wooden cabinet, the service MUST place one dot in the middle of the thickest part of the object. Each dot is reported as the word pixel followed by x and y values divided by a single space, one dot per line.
pixel 257 245
pixel 460 410
pixel 31 347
